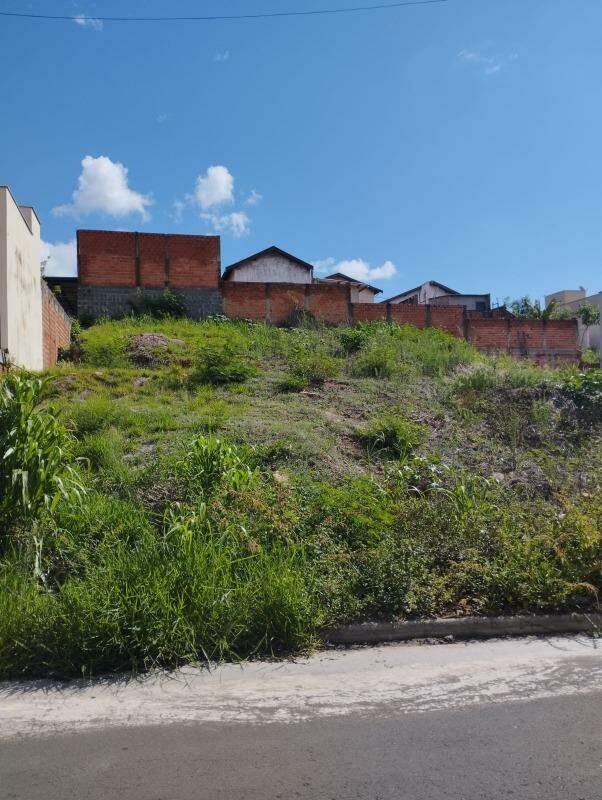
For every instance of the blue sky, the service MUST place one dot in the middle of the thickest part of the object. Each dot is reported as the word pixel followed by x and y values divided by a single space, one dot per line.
pixel 459 142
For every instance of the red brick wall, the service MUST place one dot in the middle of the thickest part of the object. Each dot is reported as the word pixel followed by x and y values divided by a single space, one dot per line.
pixel 489 333
pixel 408 314
pixel 329 302
pixel 283 300
pixel 562 334
pixel 366 312
pixel 108 258
pixel 276 302
pixel 244 300
pixel 152 259
pixel 56 327
pixel 448 318
pixel 194 261
pixel 532 337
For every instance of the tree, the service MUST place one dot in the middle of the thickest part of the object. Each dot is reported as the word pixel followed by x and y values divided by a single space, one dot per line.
pixel 531 309
pixel 588 315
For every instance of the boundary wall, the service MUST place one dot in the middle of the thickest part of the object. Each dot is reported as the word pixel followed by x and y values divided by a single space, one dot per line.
pixel 546 341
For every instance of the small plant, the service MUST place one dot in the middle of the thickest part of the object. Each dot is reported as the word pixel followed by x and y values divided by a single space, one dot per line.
pixel 314 366
pixel 376 360
pixel 590 357
pixel 211 464
pixel 585 389
pixel 392 434
pixel 221 361
pixel 353 339
pixel 292 383
pixel 476 381
pixel 167 304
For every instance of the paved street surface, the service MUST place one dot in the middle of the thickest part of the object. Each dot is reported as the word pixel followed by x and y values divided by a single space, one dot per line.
pixel 469 721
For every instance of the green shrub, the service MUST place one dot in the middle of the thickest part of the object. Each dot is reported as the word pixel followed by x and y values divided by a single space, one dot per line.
pixel 585 389
pixel 167 304
pixel 221 361
pixel 353 339
pixel 97 413
pixel 292 383
pixel 313 365
pixel 211 464
pixel 392 434
pixel 103 449
pixel 376 360
pixel 478 380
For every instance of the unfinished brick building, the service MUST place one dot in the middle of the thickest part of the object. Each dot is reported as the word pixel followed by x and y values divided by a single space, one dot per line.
pixel 116 270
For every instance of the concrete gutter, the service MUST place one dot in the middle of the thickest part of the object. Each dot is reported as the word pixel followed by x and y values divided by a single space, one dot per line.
pixel 464 628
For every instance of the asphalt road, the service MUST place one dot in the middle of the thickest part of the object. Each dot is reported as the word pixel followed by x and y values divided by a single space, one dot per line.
pixel 496 720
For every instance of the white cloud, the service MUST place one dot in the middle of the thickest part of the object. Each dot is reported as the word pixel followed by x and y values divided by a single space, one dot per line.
pixel 489 62
pixel 88 22
pixel 253 198
pixel 60 258
pixel 103 186
pixel 214 188
pixel 237 223
pixel 161 118
pixel 178 210
pixel 222 56
pixel 356 268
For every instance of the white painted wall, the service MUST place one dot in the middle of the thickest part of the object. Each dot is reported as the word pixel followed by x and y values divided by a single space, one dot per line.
pixel 271 268
pixel 20 283
pixel 364 296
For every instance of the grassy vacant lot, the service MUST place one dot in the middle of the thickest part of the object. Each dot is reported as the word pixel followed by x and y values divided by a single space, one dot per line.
pixel 184 491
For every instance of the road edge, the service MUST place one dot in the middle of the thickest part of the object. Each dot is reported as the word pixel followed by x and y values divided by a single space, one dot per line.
pixel 463 628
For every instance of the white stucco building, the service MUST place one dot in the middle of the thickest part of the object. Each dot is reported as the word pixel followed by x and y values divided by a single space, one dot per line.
pixel 20 284
pixel 572 300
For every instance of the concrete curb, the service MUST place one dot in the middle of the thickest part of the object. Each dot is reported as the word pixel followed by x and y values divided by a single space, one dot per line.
pixel 463 628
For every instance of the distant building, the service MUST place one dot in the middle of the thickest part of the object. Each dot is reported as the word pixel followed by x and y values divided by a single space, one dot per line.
pixel 360 292
pixel 435 293
pixel 271 265
pixel 572 300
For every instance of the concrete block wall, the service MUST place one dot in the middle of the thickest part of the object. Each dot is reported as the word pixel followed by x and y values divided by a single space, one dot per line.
pixel 56 327
pixel 114 301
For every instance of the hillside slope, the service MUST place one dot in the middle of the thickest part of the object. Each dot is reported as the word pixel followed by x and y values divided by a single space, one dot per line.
pixel 242 485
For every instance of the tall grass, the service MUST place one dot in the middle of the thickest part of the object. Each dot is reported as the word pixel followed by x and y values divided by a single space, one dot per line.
pixel 189 545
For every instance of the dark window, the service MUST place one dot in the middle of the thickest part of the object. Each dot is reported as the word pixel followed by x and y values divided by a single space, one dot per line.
pixel 481 305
